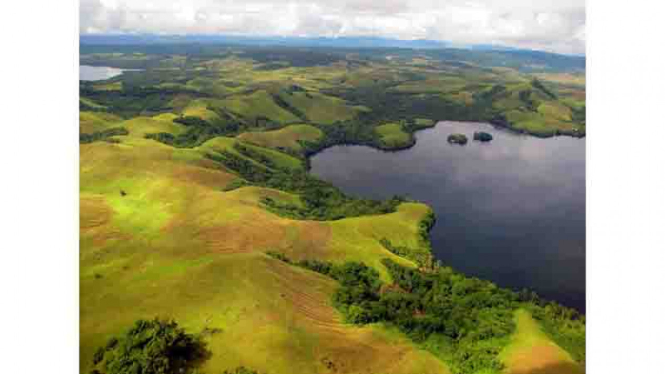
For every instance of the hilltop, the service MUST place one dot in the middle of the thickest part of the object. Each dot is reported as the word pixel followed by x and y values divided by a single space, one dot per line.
pixel 196 205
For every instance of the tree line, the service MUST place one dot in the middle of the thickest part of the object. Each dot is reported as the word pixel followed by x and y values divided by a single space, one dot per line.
pixel 104 135
pixel 320 200
pixel 467 319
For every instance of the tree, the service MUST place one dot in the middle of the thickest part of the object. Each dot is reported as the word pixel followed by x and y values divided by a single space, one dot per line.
pixel 151 347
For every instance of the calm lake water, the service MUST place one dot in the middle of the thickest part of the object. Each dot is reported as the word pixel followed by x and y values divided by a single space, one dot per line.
pixel 97 73
pixel 511 211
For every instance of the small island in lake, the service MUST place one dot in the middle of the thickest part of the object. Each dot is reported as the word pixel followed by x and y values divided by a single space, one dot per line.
pixel 482 136
pixel 457 139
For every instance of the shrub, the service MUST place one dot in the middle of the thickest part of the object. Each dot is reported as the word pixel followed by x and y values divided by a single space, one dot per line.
pixel 482 136
pixel 457 139
pixel 102 135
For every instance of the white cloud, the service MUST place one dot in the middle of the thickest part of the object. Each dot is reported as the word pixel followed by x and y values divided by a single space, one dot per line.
pixel 547 25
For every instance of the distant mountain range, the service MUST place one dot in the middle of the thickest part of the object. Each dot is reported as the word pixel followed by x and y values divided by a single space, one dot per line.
pixel 339 42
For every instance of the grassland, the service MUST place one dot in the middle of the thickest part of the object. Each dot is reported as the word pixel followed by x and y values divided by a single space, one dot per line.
pixel 258 104
pixel 89 104
pixel 371 90
pixel 199 108
pixel 286 138
pixel 166 224
pixel 162 235
pixel 174 229
pixel 392 136
pixel 321 108
pixel 140 126
pixel 90 122
pixel 531 351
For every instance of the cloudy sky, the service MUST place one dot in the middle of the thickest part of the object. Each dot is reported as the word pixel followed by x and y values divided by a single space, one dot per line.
pixel 557 26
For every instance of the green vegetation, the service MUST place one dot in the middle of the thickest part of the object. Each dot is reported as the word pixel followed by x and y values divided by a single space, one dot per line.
pixel 90 121
pixel 151 347
pixel 530 349
pixel 460 139
pixel 105 135
pixel 391 136
pixel 211 173
pixel 321 200
pixel 206 249
pixel 257 106
pixel 198 131
pixel 316 107
pixel 287 138
pixel 221 85
pixel 482 136
pixel 466 321
pixel 565 326
pixel 420 255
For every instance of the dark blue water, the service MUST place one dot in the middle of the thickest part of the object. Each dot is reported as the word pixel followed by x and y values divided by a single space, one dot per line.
pixel 511 210
pixel 96 73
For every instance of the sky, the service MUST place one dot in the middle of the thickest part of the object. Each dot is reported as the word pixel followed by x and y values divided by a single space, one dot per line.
pixel 554 26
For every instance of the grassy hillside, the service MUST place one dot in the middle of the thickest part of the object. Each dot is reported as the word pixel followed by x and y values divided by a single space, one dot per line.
pixel 167 223
pixel 175 229
pixel 90 122
pixel 391 135
pixel 256 105
pixel 531 351
pixel 320 108
pixel 286 138
pixel 385 87
pixel 194 169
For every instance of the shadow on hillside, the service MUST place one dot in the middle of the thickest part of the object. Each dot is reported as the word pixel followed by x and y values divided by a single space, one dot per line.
pixel 200 356
pixel 558 368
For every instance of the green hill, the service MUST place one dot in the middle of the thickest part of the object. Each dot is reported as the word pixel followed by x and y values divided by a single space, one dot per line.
pixel 200 209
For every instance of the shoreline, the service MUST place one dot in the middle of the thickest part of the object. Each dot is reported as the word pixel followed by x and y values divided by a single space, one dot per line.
pixel 431 218
pixel 308 154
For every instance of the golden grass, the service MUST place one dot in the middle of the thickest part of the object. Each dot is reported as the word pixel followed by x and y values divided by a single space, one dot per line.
pixel 199 108
pixel 554 110
pixel 90 103
pixel 90 122
pixel 257 104
pixel 392 135
pixel 175 245
pixel 321 108
pixel 287 137
pixel 114 86
pixel 565 78
pixel 140 126
pixel 532 352
pixel 537 123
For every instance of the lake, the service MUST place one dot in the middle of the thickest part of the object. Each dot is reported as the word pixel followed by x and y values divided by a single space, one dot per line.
pixel 511 211
pixel 97 73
